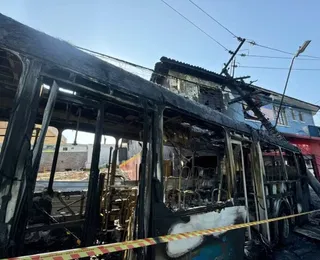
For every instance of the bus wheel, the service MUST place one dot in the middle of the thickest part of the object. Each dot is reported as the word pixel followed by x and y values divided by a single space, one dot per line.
pixel 284 227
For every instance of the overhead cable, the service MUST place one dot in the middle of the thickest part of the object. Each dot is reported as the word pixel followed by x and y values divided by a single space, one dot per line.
pixel 239 38
pixel 196 26
pixel 113 58
pixel 278 50
pixel 275 57
pixel 212 18
pixel 269 48
pixel 275 68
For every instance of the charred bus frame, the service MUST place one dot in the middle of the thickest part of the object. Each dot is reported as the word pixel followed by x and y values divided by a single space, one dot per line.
pixel 115 102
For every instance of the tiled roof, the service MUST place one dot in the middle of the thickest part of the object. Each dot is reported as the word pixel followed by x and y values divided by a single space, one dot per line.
pixel 199 72
pixel 187 65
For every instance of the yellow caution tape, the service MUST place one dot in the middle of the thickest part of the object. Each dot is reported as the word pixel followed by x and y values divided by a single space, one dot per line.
pixel 121 246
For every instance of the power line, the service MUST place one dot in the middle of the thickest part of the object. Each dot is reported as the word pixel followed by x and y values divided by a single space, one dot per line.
pixel 278 50
pixel 269 48
pixel 276 57
pixel 234 35
pixel 196 26
pixel 275 68
pixel 114 58
pixel 212 18
pixel 249 41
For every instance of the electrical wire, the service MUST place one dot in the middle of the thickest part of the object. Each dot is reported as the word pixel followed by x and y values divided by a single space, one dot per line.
pixel 249 41
pixel 233 34
pixel 276 68
pixel 252 42
pixel 196 26
pixel 212 18
pixel 267 47
pixel 113 58
pixel 278 50
pixel 276 57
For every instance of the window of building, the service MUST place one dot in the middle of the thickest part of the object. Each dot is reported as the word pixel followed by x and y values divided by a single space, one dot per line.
pixel 301 116
pixel 282 116
pixel 293 114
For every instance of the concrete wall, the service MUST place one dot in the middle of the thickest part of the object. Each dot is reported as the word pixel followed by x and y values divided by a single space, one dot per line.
pixel 202 91
pixel 66 161
pixel 66 148
pixel 294 126
pixel 134 148
pixel 74 157
pixel 104 155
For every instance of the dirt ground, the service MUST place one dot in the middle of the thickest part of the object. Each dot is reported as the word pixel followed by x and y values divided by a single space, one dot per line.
pixel 74 175
pixel 64 176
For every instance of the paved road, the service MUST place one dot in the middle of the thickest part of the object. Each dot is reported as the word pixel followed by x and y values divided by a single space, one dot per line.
pixel 302 248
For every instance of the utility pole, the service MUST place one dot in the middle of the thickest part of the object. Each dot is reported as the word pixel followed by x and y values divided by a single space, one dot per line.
pixel 240 87
pixel 242 41
pixel 233 67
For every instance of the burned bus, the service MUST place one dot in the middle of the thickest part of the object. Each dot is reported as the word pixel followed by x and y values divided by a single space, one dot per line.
pixel 199 168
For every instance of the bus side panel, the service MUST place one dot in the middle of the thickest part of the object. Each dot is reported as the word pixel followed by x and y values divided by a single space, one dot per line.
pixel 229 246
pixel 225 245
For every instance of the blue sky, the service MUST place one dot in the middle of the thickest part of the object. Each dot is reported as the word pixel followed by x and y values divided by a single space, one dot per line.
pixel 142 31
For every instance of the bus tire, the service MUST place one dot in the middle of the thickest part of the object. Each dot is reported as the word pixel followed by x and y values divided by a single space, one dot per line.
pixel 285 226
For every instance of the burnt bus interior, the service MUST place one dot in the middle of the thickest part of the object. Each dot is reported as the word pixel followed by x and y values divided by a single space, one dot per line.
pixel 62 105
pixel 193 177
pixel 198 167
